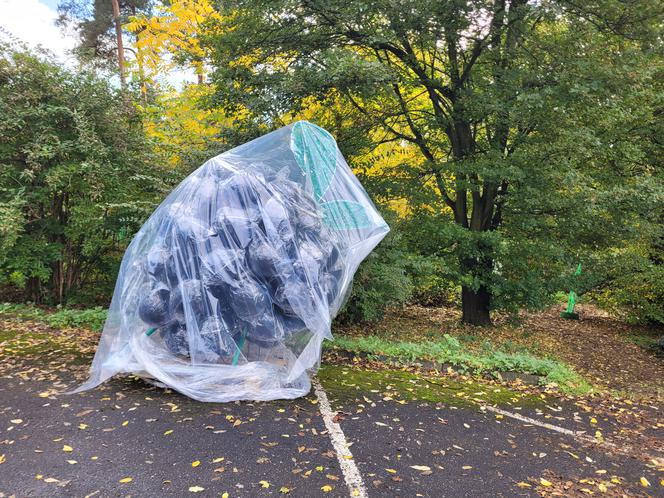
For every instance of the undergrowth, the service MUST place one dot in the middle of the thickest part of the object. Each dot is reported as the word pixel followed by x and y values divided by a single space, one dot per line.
pixel 92 318
pixel 450 350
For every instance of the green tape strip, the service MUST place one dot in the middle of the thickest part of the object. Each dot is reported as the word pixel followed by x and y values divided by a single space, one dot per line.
pixel 236 356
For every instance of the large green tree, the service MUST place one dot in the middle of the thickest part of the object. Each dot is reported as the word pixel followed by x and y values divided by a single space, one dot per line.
pixel 76 180
pixel 523 116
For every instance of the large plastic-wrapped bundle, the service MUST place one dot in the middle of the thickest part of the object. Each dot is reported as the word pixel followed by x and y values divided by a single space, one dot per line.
pixel 230 287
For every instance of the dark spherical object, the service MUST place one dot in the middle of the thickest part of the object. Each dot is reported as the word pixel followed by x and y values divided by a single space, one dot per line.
pixel 235 226
pixel 175 338
pixel 188 229
pixel 331 286
pixel 220 268
pixel 291 324
pixel 160 265
pixel 217 338
pixel 312 258
pixel 241 193
pixel 154 307
pixel 227 316
pixel 264 260
pixel 276 220
pixel 190 295
pixel 290 294
pixel 266 332
pixel 249 299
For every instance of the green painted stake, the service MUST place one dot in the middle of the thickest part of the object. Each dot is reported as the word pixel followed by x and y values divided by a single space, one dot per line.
pixel 236 356
pixel 571 301
pixel 151 331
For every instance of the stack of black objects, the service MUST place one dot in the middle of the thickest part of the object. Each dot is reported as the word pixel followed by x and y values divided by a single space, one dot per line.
pixel 244 259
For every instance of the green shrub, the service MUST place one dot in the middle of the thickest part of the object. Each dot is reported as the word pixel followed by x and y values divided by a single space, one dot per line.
pixel 382 280
pixel 92 318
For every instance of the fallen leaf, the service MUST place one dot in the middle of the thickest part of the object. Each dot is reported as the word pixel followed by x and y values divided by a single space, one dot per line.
pixel 391 471
pixel 284 490
pixel 125 480
pixel 72 462
pixel 16 421
pixel 545 483
pixel 264 484
pixel 224 495
pixel 168 432
pixel 3 459
pixel 217 460
pixel 421 468
pixel 196 489
pixel 67 448
pixel 326 489
pixel 523 485
pixel 195 463
pixel 645 482
pixel 82 426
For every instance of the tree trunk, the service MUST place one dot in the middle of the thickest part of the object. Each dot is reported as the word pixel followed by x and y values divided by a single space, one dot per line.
pixel 476 306
pixel 118 34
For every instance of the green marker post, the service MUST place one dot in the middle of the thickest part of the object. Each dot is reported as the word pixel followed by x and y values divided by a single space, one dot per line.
pixel 569 313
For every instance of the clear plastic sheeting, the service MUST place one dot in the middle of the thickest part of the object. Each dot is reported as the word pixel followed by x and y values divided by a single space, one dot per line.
pixel 229 288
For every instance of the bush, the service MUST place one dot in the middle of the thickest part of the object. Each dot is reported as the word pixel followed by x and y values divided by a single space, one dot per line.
pixel 382 280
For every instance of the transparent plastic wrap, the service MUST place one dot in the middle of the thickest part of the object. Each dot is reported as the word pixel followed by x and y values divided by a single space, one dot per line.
pixel 229 288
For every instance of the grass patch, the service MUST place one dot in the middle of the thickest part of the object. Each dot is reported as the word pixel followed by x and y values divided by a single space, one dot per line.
pixel 344 383
pixel 92 318
pixel 450 350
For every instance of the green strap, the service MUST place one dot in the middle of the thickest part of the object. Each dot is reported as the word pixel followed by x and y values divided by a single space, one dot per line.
pixel 151 331
pixel 236 356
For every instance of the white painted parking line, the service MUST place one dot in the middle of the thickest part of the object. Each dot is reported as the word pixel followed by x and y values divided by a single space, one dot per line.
pixel 350 471
pixel 579 435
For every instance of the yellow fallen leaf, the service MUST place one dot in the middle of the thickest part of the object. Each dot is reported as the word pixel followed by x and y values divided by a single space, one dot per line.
pixel 326 489
pixel 284 490
pixel 16 421
pixel 217 460
pixel 224 495
pixel 545 483
pixel 39 476
pixel 264 484
pixel 72 462
pixel 661 483
pixel 3 459
pixel 45 394
pixel 125 423
pixel 94 457
pixel 467 467
pixel 391 471
pixel 168 432
pixel 237 422
pixel 195 463
pixel 125 480
pixel 348 457
pixel 67 448
pixel 82 426
pixel 195 489
pixel 422 468
pixel 523 485
pixel 593 420
pixel 602 487
pixel 645 482
pixel 320 468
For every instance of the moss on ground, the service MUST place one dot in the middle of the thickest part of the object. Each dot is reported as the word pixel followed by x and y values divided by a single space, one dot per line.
pixel 344 383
